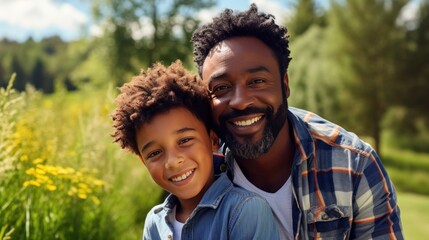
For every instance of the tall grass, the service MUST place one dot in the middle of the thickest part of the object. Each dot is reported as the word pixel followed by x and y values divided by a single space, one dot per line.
pixel 61 177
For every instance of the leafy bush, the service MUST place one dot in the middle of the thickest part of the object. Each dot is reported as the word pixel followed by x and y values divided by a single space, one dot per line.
pixel 61 177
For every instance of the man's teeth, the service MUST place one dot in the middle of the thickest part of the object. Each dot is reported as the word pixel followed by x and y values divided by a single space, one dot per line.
pixel 182 177
pixel 247 122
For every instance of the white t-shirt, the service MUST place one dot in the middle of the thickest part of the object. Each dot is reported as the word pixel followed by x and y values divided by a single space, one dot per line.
pixel 177 226
pixel 280 201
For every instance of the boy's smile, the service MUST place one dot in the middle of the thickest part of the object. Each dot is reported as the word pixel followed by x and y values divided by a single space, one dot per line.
pixel 177 150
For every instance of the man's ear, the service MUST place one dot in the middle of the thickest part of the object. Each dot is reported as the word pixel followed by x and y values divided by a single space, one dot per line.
pixel 214 141
pixel 286 84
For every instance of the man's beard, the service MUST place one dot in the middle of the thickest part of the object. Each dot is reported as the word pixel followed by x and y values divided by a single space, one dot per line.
pixel 248 149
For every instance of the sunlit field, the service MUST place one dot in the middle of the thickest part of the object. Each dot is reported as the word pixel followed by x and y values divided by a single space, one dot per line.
pixel 414 215
pixel 62 177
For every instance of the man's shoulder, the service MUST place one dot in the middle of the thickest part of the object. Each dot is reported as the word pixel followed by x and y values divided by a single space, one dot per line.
pixel 329 133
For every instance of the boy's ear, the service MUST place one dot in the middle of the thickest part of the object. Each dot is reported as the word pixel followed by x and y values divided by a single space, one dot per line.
pixel 141 158
pixel 214 140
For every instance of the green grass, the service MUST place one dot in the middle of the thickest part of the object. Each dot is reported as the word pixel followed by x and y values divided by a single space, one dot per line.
pixel 414 215
pixel 408 170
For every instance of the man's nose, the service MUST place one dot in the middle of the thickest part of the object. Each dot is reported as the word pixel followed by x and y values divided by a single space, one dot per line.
pixel 240 98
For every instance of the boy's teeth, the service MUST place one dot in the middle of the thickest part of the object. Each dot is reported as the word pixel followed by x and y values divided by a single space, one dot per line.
pixel 183 176
pixel 247 122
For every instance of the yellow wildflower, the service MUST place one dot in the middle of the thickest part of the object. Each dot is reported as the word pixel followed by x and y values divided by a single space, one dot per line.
pixel 95 200
pixel 38 160
pixel 32 183
pixel 30 171
pixel 82 195
pixel 23 158
pixel 98 182
pixel 51 187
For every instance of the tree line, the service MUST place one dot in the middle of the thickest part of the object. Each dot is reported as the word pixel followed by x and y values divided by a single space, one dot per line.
pixel 359 63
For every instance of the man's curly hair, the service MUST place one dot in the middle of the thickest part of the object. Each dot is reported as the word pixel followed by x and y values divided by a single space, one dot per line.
pixel 156 91
pixel 248 23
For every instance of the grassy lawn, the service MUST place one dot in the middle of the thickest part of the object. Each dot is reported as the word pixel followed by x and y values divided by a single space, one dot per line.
pixel 414 215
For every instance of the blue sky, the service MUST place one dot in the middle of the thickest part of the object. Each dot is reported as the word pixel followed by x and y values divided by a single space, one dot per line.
pixel 20 19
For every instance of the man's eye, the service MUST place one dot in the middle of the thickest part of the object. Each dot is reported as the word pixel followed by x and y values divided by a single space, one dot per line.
pixel 257 81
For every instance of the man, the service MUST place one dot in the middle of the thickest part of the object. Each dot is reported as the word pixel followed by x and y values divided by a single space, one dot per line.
pixel 321 181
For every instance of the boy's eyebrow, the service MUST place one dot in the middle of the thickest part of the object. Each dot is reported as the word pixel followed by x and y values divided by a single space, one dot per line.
pixel 182 130
pixel 185 129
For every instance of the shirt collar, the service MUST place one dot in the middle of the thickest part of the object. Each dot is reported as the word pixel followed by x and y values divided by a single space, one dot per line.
pixel 211 198
pixel 304 144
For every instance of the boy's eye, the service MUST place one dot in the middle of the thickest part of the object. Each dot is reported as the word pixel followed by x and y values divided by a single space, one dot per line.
pixel 185 140
pixel 219 89
pixel 153 154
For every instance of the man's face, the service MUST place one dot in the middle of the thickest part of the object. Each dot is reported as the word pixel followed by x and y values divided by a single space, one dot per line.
pixel 248 109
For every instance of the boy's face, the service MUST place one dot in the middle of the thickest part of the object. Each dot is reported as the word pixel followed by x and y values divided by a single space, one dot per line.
pixel 177 151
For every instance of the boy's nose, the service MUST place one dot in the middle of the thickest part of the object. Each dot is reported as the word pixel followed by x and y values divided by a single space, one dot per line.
pixel 173 161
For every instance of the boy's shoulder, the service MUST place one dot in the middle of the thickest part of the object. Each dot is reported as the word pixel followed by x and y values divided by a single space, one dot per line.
pixel 236 194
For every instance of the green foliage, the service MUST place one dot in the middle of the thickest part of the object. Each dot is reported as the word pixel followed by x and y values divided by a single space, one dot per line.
pixel 61 177
pixel 369 42
pixel 313 74
pixel 306 14
pixel 141 32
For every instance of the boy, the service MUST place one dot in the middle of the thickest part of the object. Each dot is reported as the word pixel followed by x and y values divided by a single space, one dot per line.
pixel 163 116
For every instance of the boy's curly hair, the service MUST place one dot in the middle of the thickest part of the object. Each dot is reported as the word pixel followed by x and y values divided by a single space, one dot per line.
pixel 156 91
pixel 248 23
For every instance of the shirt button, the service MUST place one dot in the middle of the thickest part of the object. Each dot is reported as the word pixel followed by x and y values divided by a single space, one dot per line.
pixel 325 216
pixel 170 237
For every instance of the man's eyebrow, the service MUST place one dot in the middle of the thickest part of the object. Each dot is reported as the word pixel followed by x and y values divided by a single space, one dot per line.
pixel 182 130
pixel 222 74
pixel 258 69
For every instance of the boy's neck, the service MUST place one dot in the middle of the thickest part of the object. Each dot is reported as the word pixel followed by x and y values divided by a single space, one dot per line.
pixel 185 207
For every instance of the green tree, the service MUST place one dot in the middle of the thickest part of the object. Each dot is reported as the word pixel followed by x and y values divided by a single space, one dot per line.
pixel 306 13
pixel 410 120
pixel 313 74
pixel 38 74
pixel 17 68
pixel 369 43
pixel 141 32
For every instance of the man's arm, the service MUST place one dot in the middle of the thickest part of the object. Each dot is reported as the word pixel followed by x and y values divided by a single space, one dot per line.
pixel 376 212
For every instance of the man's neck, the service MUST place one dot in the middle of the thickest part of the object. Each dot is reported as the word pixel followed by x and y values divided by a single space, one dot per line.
pixel 270 171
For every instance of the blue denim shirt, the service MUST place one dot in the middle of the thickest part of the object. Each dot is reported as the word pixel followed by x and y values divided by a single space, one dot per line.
pixel 225 212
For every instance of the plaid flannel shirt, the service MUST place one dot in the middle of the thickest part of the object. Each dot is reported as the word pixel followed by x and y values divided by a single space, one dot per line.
pixel 341 189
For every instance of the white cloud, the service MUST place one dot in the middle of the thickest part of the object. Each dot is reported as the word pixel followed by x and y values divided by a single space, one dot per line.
pixel 279 10
pixel 274 7
pixel 206 15
pixel 408 15
pixel 42 15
